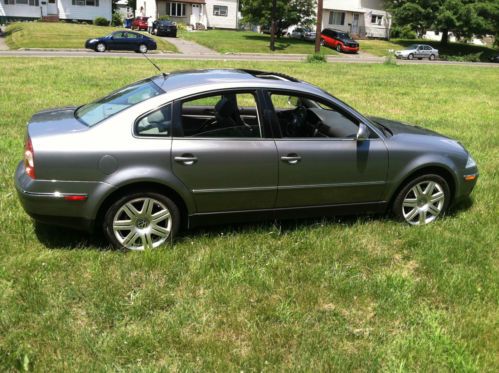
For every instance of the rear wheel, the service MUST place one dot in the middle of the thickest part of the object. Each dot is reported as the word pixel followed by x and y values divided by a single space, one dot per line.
pixel 101 47
pixel 410 57
pixel 143 48
pixel 432 57
pixel 141 221
pixel 423 200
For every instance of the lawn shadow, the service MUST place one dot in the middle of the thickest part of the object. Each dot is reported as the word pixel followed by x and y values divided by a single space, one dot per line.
pixel 462 206
pixel 61 238
pixel 280 43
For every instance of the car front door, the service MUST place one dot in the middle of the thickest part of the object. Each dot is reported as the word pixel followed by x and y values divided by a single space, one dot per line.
pixel 320 160
pixel 222 152
pixel 118 40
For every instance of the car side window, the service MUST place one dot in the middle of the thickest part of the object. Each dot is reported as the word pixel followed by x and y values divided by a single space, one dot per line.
pixel 156 124
pixel 303 117
pixel 131 35
pixel 119 35
pixel 221 115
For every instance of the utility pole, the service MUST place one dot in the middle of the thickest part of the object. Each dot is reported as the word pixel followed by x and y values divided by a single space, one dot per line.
pixel 272 26
pixel 318 27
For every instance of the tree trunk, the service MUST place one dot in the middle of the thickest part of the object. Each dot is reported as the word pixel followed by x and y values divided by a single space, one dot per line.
pixel 445 37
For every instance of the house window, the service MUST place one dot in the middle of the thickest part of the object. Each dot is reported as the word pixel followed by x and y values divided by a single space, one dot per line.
pixel 337 18
pixel 177 10
pixel 220 10
pixel 10 2
pixel 376 19
pixel 33 2
pixel 85 2
pixel 23 2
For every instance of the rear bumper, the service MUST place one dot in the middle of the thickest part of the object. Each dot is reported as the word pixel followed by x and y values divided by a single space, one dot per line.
pixel 44 200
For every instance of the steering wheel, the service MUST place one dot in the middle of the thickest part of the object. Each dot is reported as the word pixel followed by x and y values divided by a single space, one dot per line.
pixel 296 122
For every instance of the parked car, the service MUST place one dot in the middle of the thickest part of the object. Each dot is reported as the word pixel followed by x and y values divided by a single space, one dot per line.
pixel 122 40
pixel 140 23
pixel 339 40
pixel 217 146
pixel 303 33
pixel 164 28
pixel 494 58
pixel 418 51
pixel 279 31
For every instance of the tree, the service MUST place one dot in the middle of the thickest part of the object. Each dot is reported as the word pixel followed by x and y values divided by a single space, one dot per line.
pixel 288 12
pixel 464 18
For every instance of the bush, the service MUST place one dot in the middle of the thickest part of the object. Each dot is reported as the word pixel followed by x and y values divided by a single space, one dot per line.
pixel 404 32
pixel 316 58
pixel 472 57
pixel 164 18
pixel 101 21
pixel 181 26
pixel 117 20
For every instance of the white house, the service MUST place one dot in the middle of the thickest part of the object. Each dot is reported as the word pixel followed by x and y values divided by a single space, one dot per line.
pixel 196 13
pixel 361 18
pixel 81 10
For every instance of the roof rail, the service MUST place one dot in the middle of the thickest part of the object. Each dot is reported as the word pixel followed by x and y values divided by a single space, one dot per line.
pixel 270 75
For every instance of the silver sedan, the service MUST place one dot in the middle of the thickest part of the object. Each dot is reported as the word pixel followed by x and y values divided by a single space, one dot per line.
pixel 217 146
pixel 418 51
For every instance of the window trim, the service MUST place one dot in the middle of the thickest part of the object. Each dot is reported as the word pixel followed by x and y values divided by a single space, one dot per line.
pixel 266 134
pixel 331 18
pixel 176 5
pixel 377 17
pixel 220 7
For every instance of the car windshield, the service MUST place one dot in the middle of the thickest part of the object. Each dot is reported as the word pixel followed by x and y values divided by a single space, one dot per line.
pixel 97 111
pixel 343 35
pixel 413 46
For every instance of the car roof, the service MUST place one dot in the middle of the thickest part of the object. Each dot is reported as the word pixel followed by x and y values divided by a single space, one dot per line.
pixel 207 78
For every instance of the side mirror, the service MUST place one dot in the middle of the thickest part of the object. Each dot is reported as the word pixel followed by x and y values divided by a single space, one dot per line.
pixel 363 132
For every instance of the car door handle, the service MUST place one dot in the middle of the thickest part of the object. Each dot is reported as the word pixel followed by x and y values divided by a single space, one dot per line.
pixel 186 159
pixel 291 158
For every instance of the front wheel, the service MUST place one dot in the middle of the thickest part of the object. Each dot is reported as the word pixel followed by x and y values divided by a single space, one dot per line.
pixel 338 48
pixel 141 221
pixel 143 48
pixel 101 47
pixel 423 200
pixel 322 42
pixel 410 57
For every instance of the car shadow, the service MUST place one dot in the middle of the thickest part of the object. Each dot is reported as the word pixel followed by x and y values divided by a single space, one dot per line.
pixel 58 238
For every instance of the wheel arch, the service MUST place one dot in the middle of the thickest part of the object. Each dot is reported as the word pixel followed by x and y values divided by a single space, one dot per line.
pixel 436 169
pixel 141 186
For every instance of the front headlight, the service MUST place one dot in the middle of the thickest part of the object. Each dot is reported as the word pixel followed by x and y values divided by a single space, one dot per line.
pixel 93 40
pixel 471 162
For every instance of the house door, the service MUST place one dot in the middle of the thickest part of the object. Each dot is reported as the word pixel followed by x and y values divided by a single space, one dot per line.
pixel 196 12
pixel 355 24
pixel 52 7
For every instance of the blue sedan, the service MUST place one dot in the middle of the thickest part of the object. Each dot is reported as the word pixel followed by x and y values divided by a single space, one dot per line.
pixel 122 40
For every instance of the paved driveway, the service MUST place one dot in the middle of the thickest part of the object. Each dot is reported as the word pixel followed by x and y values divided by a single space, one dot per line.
pixel 190 48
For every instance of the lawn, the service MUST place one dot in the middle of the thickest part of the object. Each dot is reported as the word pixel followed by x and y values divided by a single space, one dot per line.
pixel 61 35
pixel 363 294
pixel 225 41
pixel 381 48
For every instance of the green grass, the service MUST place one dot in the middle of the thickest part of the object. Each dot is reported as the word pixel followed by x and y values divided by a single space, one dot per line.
pixel 61 35
pixel 225 41
pixel 364 294
pixel 381 48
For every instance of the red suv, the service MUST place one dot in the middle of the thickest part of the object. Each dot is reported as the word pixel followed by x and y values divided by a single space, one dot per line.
pixel 339 40
pixel 140 23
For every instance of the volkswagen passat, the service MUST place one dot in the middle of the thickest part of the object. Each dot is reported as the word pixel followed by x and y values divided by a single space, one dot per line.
pixel 214 146
pixel 418 51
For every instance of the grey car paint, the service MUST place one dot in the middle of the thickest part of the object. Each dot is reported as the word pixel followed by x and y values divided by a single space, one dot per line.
pixel 227 175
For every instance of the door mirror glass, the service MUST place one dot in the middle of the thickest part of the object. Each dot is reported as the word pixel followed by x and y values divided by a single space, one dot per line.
pixel 363 133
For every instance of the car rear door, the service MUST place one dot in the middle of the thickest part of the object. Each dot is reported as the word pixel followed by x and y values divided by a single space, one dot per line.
pixel 319 170
pixel 222 152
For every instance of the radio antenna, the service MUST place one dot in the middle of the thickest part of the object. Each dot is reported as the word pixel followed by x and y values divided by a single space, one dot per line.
pixel 156 66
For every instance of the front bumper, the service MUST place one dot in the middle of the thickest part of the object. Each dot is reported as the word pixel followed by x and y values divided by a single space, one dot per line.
pixel 346 48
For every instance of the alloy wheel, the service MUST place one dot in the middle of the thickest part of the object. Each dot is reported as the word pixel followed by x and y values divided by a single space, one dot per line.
pixel 142 48
pixel 423 203
pixel 142 223
pixel 101 47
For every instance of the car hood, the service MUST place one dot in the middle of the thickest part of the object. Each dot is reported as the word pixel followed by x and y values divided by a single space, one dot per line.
pixel 54 122
pixel 398 128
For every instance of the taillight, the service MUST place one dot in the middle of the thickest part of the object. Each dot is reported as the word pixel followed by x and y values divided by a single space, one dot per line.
pixel 29 158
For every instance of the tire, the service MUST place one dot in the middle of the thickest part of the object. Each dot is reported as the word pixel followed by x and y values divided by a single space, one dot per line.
pixel 100 47
pixel 338 48
pixel 138 211
pixel 422 200
pixel 143 48
pixel 322 42
pixel 432 57
pixel 410 57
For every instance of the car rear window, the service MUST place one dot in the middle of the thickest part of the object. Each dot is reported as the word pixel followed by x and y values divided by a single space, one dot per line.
pixel 97 111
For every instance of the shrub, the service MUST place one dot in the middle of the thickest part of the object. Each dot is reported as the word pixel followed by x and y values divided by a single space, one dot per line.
pixel 117 20
pixel 404 32
pixel 316 58
pixel 101 21
pixel 164 18
pixel 181 26
pixel 472 57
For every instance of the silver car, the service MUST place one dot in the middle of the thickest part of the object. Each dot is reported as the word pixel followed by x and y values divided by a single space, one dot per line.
pixel 418 51
pixel 219 146
pixel 303 33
